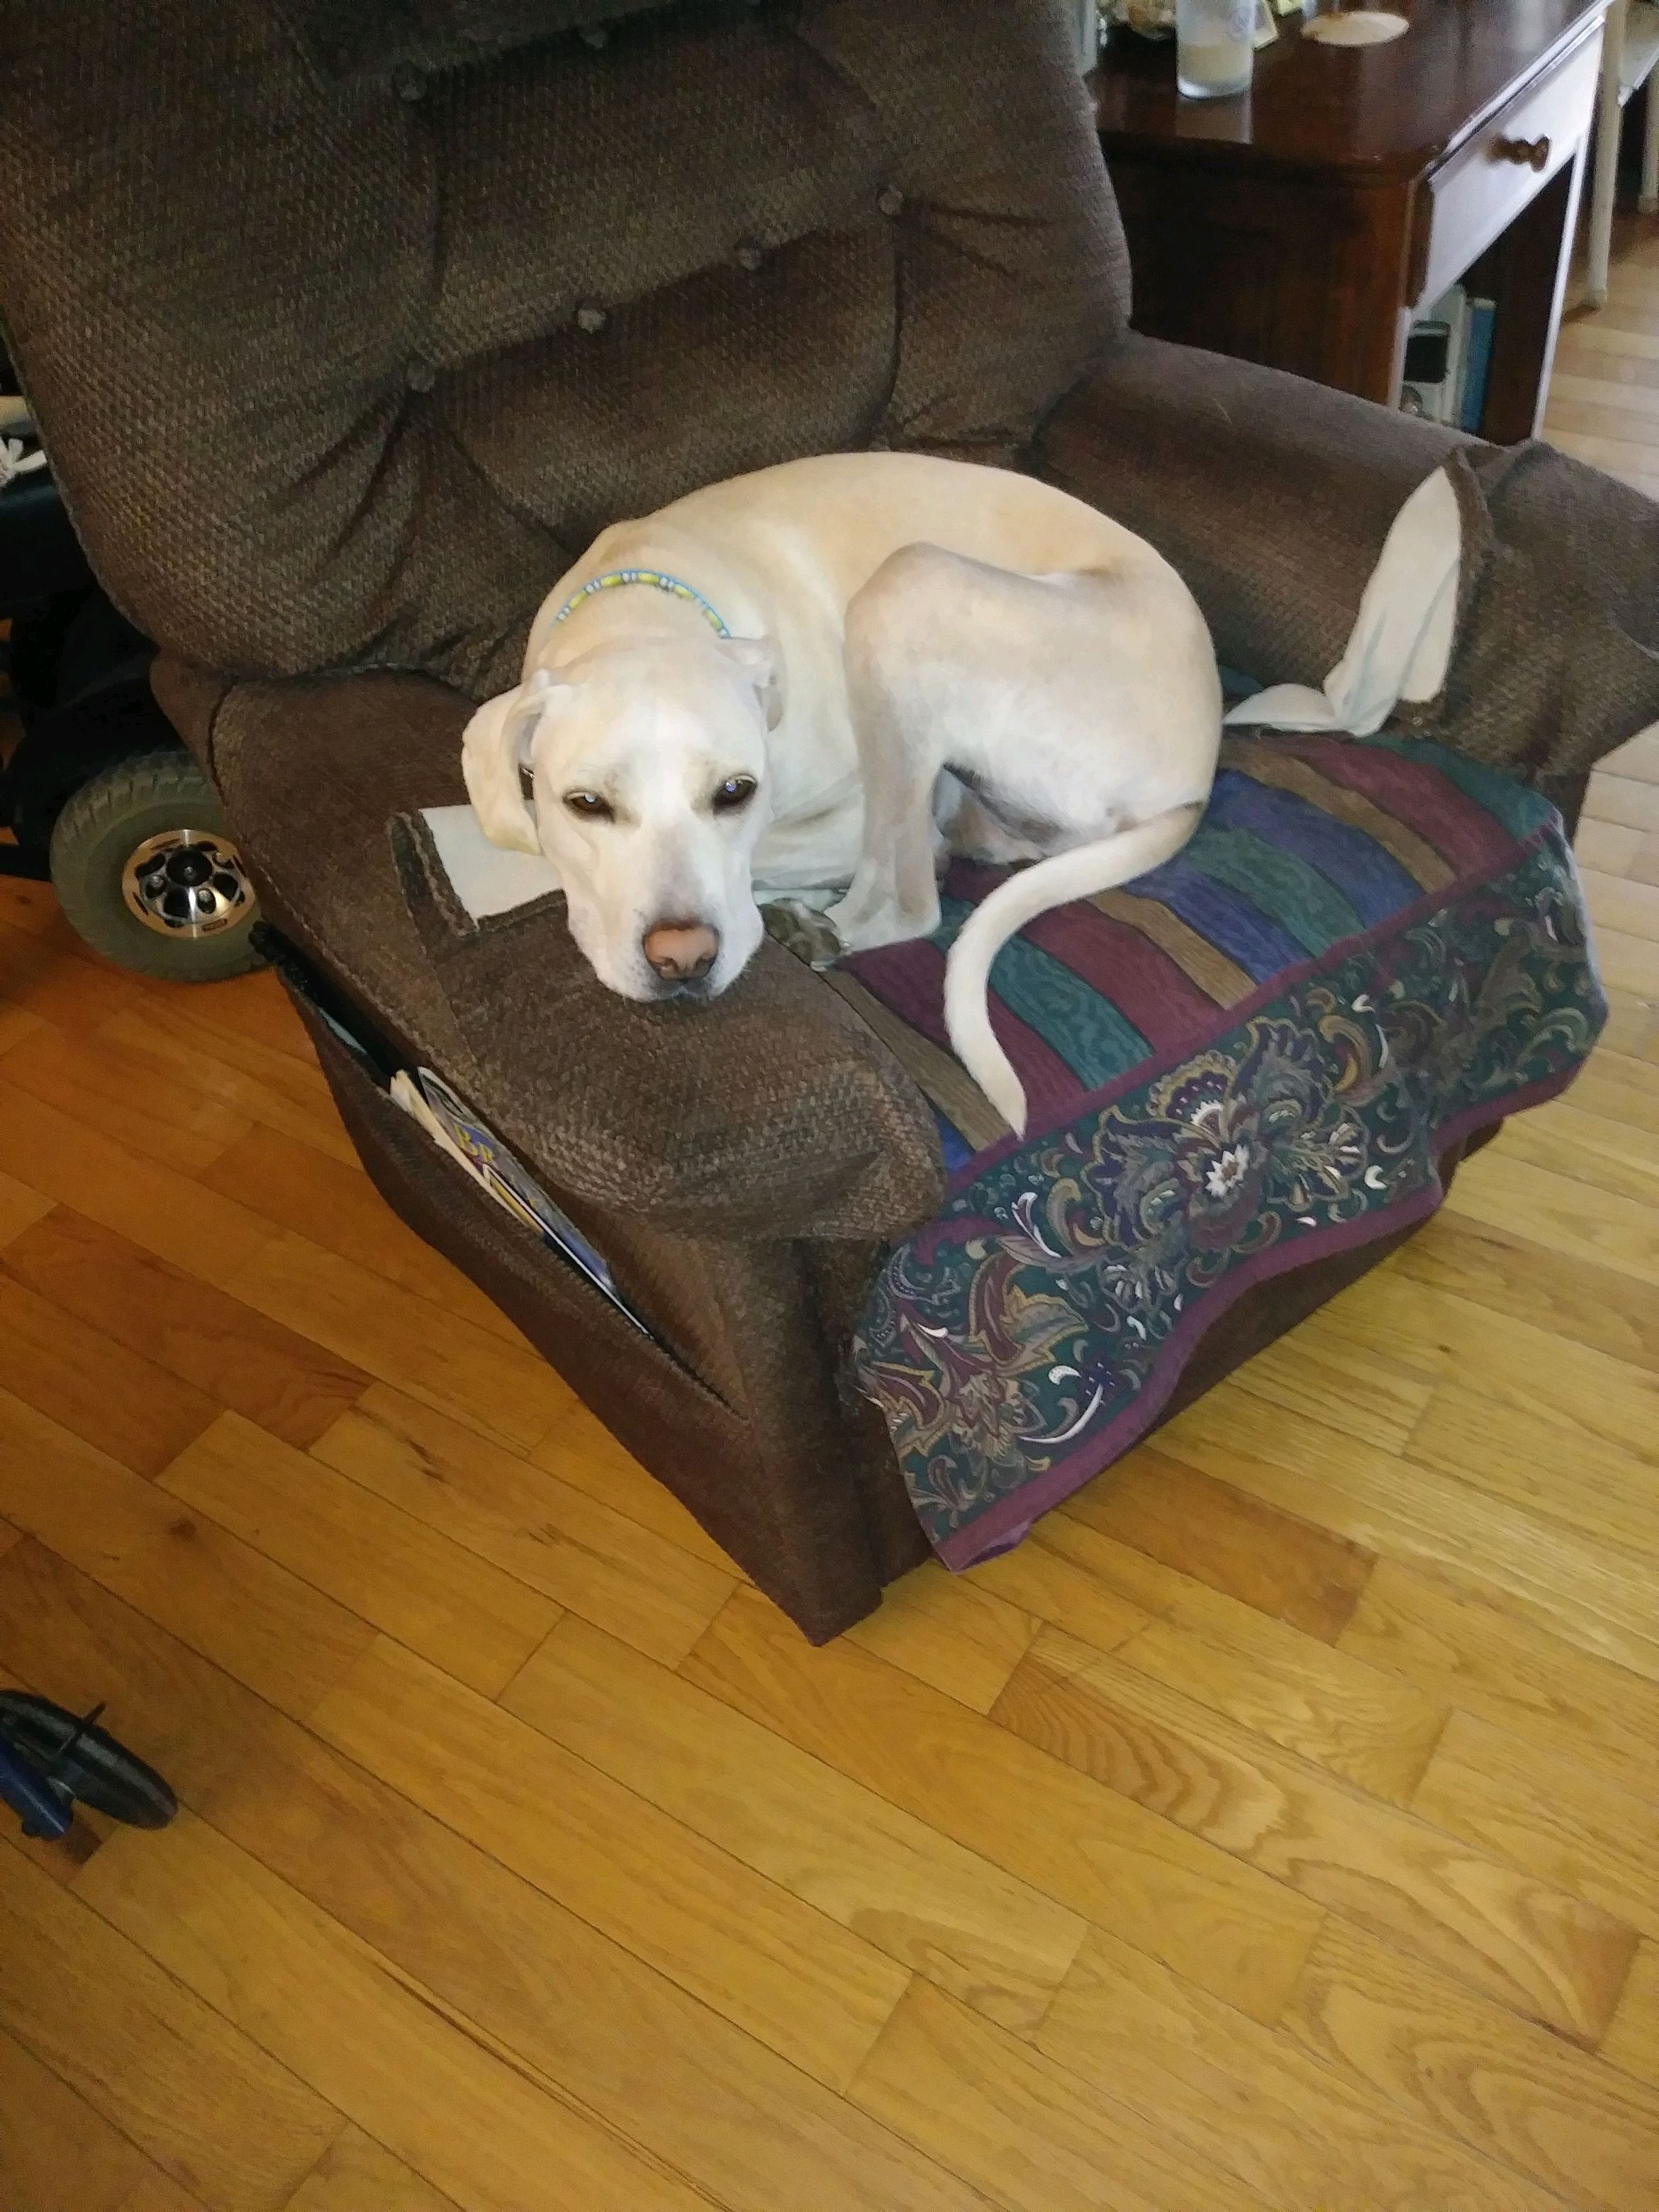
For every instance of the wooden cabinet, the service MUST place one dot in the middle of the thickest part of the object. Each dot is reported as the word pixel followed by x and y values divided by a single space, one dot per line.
pixel 1305 224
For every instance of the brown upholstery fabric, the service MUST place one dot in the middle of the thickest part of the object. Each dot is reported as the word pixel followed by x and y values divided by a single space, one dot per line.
pixel 1272 496
pixel 633 1108
pixel 1557 656
pixel 383 38
pixel 377 367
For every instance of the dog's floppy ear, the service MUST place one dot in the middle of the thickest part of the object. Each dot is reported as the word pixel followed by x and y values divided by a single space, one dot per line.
pixel 495 746
pixel 757 657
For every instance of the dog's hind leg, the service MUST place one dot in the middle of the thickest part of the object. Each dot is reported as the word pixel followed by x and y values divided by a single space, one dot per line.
pixel 893 664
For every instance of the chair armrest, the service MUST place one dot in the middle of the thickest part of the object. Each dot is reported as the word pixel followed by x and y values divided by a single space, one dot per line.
pixel 1270 494
pixel 772 1111
pixel 1273 497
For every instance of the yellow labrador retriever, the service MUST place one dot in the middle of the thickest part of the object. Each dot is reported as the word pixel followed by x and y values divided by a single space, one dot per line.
pixel 812 684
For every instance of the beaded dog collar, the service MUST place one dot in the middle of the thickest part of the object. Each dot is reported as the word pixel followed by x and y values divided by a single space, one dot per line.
pixel 657 580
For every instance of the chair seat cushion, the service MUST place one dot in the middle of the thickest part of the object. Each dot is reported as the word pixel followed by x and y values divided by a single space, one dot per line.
pixel 1248 1059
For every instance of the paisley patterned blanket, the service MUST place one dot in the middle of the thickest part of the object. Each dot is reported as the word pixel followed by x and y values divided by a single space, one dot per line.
pixel 1244 1060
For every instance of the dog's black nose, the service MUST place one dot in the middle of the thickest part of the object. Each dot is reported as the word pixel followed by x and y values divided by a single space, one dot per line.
pixel 681 952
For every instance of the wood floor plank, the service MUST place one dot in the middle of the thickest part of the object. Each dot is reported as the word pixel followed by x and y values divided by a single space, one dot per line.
pixel 256 1006
pixel 331 2011
pixel 16 1021
pixel 1624 799
pixel 1544 1813
pixel 155 2193
pixel 154 1206
pixel 1608 846
pixel 1628 962
pixel 588 1458
pixel 1619 1089
pixel 57 2152
pixel 1535 1367
pixel 1603 412
pixel 1568 1141
pixel 1632 1025
pixel 1013 2123
pixel 1581 1481
pixel 356 2175
pixel 1184 1900
pixel 1053 1574
pixel 581 1553
pixel 960 1635
pixel 250 1079
pixel 476 1621
pixel 31 906
pixel 74 991
pixel 202 2100
pixel 1310 2139
pixel 1631 2042
pixel 340 1208
pixel 220 1595
pixel 1562 1212
pixel 1511 1673
pixel 1180 1517
pixel 561 2003
pixel 504 1390
pixel 19 1207
pixel 1473 2071
pixel 1619 903
pixel 1347 1383
pixel 807 1987
pixel 1533 1945
pixel 1368 1727
pixel 1596 1598
pixel 936 1908
pixel 113 1398
pixel 1512 1276
pixel 242 1361
pixel 117 1092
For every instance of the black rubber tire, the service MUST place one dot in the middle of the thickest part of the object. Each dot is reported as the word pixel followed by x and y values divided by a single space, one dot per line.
pixel 100 1773
pixel 95 835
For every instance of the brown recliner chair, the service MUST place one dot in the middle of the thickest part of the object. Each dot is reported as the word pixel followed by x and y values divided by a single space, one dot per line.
pixel 347 325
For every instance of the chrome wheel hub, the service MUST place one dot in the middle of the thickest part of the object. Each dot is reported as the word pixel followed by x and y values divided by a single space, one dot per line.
pixel 186 883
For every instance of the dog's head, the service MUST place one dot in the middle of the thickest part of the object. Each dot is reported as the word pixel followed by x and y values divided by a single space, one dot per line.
pixel 646 766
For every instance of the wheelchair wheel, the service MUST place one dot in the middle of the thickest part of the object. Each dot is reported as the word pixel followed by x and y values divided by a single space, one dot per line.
pixel 147 873
pixel 79 1758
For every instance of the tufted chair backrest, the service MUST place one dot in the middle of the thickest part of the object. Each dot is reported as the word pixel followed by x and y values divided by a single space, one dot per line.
pixel 347 325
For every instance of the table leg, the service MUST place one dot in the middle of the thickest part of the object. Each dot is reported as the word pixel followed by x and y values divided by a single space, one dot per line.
pixel 1529 281
pixel 1599 244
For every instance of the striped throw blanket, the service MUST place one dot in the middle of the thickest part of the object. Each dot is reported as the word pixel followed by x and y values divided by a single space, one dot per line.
pixel 1248 1059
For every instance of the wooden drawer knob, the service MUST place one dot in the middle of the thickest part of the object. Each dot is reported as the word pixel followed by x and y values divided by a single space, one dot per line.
pixel 1533 153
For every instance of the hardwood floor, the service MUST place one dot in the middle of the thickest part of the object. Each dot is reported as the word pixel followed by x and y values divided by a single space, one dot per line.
pixel 1273 1832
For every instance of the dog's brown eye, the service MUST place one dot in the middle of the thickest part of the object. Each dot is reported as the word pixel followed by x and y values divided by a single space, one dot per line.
pixel 736 791
pixel 588 803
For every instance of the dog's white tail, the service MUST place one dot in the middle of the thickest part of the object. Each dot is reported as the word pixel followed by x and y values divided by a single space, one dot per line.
pixel 1101 866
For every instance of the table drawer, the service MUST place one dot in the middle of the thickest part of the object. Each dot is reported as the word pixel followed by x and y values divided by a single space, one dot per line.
pixel 1478 190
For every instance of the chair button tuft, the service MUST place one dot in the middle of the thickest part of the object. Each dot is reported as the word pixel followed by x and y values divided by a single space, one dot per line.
pixel 591 318
pixel 419 374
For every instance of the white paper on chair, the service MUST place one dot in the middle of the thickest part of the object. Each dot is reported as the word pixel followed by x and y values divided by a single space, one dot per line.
pixel 486 878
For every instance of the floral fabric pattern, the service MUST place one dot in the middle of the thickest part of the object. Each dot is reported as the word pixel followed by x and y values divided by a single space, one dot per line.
pixel 1033 1330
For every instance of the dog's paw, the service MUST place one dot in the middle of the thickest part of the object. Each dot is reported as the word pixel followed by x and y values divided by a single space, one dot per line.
pixel 810 936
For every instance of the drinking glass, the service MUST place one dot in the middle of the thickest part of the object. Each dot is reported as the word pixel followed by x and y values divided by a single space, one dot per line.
pixel 1214 55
